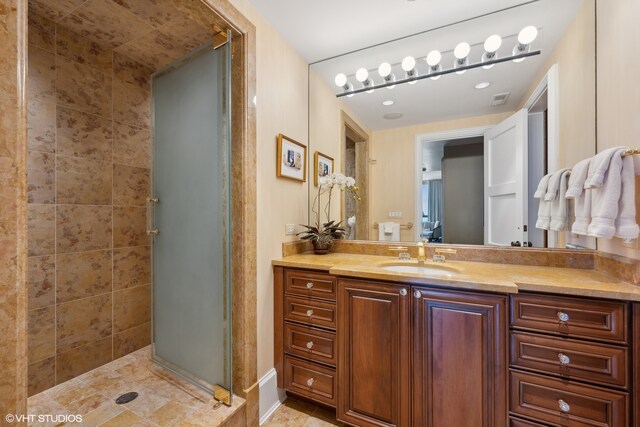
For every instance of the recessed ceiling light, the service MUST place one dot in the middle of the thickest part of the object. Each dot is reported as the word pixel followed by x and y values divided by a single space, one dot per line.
pixel 483 85
pixel 387 103
pixel 392 116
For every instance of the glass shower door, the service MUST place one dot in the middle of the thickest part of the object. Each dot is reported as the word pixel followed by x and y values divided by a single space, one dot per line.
pixel 191 170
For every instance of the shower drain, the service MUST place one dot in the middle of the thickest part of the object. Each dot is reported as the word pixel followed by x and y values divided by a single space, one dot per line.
pixel 126 398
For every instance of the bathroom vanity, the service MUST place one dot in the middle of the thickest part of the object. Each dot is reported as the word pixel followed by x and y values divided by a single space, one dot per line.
pixel 489 345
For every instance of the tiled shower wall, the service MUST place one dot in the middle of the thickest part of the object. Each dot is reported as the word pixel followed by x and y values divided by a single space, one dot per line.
pixel 88 178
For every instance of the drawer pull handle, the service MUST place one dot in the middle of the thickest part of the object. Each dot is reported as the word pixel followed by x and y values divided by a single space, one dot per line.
pixel 309 313
pixel 310 345
pixel 309 285
pixel 310 382
pixel 564 406
pixel 563 317
pixel 564 359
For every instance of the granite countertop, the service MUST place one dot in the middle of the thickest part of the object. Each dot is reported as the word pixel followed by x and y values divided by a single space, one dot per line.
pixel 503 278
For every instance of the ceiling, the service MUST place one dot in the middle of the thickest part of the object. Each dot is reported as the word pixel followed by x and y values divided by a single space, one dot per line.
pixel 322 29
pixel 322 32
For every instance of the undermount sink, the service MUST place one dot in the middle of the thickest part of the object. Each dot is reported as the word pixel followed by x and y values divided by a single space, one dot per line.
pixel 422 269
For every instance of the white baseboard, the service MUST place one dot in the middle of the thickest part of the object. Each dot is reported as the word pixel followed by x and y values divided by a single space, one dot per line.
pixel 270 395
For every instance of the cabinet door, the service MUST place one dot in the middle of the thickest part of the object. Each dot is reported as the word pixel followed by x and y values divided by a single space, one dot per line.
pixel 459 359
pixel 374 363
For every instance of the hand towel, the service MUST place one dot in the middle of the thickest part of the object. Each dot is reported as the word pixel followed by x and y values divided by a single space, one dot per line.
pixel 544 208
pixel 559 205
pixel 542 187
pixel 394 236
pixel 554 185
pixel 577 179
pixel 598 167
pixel 626 226
pixel 582 210
pixel 605 198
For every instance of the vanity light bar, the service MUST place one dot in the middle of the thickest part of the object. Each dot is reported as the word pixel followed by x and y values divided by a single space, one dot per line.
pixel 440 73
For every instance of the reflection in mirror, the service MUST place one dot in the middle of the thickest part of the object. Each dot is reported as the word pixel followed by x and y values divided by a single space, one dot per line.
pixel 447 134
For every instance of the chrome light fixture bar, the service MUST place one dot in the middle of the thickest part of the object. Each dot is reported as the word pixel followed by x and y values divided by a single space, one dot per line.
pixel 436 74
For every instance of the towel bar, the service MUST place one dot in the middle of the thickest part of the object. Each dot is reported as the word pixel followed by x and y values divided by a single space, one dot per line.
pixel 407 226
pixel 625 153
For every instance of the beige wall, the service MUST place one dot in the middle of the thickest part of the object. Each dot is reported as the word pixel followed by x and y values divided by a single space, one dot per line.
pixel 392 176
pixel 619 90
pixel 575 57
pixel 282 107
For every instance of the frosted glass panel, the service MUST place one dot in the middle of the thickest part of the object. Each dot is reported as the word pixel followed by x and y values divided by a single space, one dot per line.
pixel 190 254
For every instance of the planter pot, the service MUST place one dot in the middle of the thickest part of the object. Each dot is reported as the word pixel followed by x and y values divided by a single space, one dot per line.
pixel 322 246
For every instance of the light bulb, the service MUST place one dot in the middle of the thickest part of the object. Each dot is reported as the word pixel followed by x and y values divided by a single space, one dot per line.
pixel 362 74
pixel 527 35
pixel 462 50
pixel 493 43
pixel 408 63
pixel 341 80
pixel 384 69
pixel 433 58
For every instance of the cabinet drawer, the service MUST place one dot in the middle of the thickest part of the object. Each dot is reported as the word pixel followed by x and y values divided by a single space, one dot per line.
pixel 310 312
pixel 517 422
pixel 310 343
pixel 566 403
pixel 575 317
pixel 606 364
pixel 310 380
pixel 310 284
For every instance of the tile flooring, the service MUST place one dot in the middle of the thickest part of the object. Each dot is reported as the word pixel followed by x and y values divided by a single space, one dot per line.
pixel 164 399
pixel 296 413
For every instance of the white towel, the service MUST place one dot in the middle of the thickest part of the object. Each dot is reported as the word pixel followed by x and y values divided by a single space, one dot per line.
pixel 599 166
pixel 605 198
pixel 577 179
pixel 393 235
pixel 544 208
pixel 553 186
pixel 626 226
pixel 559 219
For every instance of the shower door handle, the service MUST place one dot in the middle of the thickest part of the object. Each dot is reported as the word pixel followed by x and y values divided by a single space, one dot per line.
pixel 154 231
pixel 153 200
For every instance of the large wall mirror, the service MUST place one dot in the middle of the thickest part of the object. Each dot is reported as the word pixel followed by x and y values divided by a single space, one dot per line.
pixel 450 146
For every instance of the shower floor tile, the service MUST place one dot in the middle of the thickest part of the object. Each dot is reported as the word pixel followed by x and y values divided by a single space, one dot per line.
pixel 163 398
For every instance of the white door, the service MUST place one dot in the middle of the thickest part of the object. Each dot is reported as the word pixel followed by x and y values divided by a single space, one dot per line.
pixel 505 181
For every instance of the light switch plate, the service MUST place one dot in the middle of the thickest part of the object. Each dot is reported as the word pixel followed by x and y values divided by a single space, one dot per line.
pixel 290 229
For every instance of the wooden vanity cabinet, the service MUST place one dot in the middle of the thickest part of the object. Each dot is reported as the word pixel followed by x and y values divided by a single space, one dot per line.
pixel 459 359
pixel 374 356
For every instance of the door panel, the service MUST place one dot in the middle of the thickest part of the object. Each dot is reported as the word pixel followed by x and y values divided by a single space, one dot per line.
pixel 505 171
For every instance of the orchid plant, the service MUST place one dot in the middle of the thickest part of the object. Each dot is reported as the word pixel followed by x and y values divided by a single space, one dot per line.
pixel 322 234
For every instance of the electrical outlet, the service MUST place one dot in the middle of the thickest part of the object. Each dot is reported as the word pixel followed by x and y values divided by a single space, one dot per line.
pixel 290 229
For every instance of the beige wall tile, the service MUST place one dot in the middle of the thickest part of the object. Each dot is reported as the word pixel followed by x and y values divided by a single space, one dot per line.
pixel 131 267
pixel 79 360
pixel 53 10
pixel 154 12
pixel 80 49
pixel 130 71
pixel 41 229
pixel 41 375
pixel 83 88
pixel 82 274
pixel 81 181
pixel 186 33
pixel 41 126
pixel 129 227
pixel 131 185
pixel 84 135
pixel 41 279
pixel 42 32
pixel 83 228
pixel 131 145
pixel 42 335
pixel 131 340
pixel 131 307
pixel 131 104
pixel 154 49
pixel 82 322
pixel 40 177
pixel 41 78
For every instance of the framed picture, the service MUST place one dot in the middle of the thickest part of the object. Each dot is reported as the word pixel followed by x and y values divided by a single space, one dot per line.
pixel 323 166
pixel 292 159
